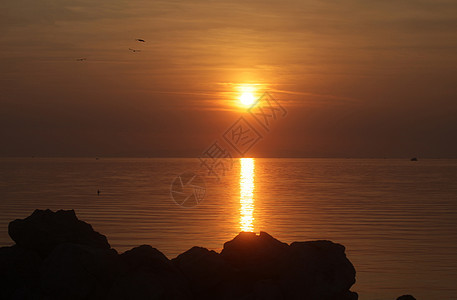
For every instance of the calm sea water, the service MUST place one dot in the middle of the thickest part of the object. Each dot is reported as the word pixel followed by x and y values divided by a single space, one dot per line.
pixel 397 219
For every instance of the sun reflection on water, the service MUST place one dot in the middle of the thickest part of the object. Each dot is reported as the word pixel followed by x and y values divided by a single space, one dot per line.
pixel 247 194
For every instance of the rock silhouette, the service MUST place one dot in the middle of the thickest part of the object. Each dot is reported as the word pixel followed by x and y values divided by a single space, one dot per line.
pixel 44 229
pixel 57 256
pixel 406 297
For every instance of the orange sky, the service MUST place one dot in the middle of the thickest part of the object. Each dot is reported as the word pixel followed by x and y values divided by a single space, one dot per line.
pixel 358 78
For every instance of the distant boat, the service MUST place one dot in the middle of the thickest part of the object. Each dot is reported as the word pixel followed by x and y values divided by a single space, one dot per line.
pixel 414 159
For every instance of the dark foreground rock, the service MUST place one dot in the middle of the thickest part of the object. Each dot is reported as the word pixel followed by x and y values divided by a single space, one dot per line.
pixel 406 297
pixel 45 229
pixel 57 256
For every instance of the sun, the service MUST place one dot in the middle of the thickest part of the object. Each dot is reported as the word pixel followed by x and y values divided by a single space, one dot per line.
pixel 247 98
pixel 247 94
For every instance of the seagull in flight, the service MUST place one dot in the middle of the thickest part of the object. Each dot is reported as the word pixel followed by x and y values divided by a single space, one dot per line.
pixel 134 50
pixel 140 40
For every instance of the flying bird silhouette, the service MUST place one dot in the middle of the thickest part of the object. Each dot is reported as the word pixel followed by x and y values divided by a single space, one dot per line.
pixel 134 50
pixel 81 59
pixel 141 40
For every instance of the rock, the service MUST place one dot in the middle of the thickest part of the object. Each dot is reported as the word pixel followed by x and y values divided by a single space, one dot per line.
pixel 406 297
pixel 74 271
pixel 57 256
pixel 208 274
pixel 316 270
pixel 254 255
pixel 267 290
pixel 45 229
pixel 19 273
pixel 305 270
pixel 148 274
pixel 145 257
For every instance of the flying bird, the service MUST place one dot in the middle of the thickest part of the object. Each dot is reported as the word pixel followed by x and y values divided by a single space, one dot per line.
pixel 134 50
pixel 140 40
pixel 81 59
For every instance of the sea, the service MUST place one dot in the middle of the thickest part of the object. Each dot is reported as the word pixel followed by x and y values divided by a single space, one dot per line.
pixel 397 218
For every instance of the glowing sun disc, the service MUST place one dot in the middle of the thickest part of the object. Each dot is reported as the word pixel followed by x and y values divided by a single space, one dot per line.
pixel 247 98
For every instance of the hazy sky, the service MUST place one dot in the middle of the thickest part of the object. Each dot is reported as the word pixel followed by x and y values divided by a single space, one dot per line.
pixel 358 78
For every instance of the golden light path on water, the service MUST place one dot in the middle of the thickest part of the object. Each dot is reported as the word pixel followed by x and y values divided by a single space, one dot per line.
pixel 247 172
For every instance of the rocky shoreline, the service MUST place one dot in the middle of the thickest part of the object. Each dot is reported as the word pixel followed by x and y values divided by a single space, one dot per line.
pixel 58 256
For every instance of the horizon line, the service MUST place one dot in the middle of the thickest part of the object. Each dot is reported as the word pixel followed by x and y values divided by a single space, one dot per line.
pixel 267 157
